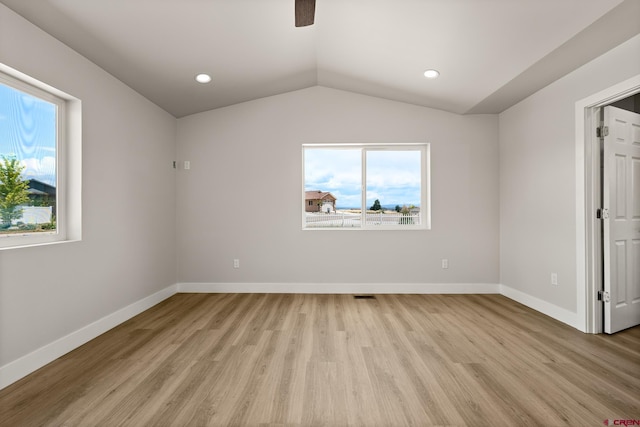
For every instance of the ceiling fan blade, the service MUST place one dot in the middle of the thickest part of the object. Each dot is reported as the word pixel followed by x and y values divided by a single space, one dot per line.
pixel 305 12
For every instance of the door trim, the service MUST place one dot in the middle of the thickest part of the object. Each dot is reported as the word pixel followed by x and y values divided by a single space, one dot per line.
pixel 588 187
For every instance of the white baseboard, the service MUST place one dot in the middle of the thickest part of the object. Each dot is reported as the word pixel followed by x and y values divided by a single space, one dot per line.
pixel 33 361
pixel 341 288
pixel 563 315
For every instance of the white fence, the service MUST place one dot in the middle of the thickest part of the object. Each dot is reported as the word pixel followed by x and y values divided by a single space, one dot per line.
pixel 34 215
pixel 346 220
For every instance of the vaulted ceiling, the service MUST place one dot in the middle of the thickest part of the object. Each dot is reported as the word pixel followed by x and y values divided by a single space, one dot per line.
pixel 490 53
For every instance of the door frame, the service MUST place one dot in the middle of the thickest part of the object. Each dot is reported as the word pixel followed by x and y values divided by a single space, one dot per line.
pixel 588 200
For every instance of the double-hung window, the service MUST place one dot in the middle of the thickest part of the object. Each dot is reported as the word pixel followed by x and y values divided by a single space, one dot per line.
pixel 366 186
pixel 35 144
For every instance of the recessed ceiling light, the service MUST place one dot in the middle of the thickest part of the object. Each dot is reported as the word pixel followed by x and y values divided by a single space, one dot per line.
pixel 203 78
pixel 431 74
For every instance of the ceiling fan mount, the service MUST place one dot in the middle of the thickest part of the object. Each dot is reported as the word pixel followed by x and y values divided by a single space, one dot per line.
pixel 305 12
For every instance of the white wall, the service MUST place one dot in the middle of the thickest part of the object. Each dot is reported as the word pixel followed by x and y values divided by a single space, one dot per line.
pixel 128 247
pixel 538 174
pixel 247 158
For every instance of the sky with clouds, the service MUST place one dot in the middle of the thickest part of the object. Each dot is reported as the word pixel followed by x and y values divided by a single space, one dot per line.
pixel 393 177
pixel 28 133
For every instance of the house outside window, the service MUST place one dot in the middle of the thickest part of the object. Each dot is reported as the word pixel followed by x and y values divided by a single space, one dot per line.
pixel 320 201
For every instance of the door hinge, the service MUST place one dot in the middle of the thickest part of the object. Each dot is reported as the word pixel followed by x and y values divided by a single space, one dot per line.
pixel 602 214
pixel 602 131
pixel 604 296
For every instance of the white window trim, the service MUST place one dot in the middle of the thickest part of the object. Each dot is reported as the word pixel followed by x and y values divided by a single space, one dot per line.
pixel 425 189
pixel 68 163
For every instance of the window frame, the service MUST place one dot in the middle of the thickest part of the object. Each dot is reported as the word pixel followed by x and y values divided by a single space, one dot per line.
pixel 68 162
pixel 425 188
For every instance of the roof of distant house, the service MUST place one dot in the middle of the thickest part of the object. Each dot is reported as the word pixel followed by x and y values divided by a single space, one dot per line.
pixel 37 187
pixel 318 195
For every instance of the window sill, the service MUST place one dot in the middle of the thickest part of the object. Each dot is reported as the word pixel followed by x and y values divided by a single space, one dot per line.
pixel 27 241
pixel 419 228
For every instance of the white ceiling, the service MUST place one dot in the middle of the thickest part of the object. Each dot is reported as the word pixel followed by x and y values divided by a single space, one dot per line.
pixel 490 53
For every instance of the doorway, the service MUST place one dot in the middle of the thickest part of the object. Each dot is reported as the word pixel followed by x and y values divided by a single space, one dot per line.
pixel 619 216
pixel 589 199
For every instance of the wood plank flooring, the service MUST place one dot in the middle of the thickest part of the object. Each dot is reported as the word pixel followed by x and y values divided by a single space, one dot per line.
pixel 311 360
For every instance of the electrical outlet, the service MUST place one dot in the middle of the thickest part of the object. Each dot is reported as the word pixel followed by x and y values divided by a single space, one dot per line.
pixel 445 263
pixel 236 263
pixel 554 279
pixel 187 165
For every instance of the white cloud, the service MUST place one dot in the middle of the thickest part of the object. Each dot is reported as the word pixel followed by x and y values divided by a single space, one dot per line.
pixel 393 177
pixel 42 169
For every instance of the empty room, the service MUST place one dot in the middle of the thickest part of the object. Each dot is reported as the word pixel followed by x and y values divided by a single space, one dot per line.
pixel 319 212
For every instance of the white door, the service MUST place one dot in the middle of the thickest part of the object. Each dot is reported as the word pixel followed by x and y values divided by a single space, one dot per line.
pixel 621 199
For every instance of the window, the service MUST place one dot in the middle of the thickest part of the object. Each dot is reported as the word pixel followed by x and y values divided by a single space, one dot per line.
pixel 366 186
pixel 38 125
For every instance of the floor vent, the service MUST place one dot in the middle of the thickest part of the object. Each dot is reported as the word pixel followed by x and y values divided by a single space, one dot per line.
pixel 364 296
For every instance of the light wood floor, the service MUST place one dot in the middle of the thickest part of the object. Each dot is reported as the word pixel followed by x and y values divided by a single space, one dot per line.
pixel 275 360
